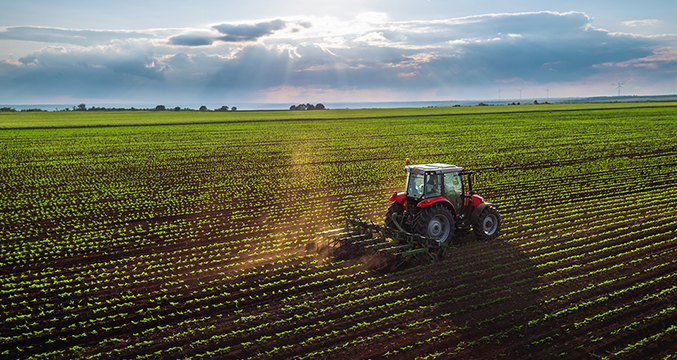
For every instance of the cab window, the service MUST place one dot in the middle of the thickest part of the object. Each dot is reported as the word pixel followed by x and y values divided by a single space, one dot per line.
pixel 433 186
pixel 452 184
pixel 415 185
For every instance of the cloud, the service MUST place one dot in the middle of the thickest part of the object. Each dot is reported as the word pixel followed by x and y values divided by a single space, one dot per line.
pixel 248 32
pixel 68 36
pixel 463 57
pixel 650 22
pixel 233 33
pixel 95 73
pixel 193 39
pixel 180 61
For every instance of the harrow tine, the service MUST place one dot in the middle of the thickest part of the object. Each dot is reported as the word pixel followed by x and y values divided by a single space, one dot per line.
pixel 396 244
pixel 331 231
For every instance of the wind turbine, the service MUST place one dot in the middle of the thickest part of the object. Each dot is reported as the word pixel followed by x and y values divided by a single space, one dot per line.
pixel 520 94
pixel 618 87
pixel 499 94
pixel 547 93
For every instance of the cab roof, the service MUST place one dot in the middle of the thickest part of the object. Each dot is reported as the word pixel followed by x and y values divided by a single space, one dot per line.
pixel 434 168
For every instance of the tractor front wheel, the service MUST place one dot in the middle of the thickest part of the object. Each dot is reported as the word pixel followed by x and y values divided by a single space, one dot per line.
pixel 436 222
pixel 488 224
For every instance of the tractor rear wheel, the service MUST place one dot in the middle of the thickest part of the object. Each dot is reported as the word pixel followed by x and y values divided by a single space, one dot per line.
pixel 436 222
pixel 395 208
pixel 488 224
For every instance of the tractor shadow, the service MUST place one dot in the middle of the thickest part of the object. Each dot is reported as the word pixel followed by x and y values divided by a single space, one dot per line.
pixel 464 237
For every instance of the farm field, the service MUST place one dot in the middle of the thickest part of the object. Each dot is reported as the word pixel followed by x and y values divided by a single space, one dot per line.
pixel 195 235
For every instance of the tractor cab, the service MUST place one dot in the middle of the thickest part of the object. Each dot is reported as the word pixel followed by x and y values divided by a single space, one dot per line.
pixel 426 182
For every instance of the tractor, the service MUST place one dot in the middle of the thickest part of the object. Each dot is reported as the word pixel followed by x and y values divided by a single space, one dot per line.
pixel 422 220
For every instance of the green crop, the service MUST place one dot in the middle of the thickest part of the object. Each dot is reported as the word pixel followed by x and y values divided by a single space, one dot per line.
pixel 195 235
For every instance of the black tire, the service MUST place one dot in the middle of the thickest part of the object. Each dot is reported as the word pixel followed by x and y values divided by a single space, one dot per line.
pixel 488 224
pixel 436 222
pixel 395 208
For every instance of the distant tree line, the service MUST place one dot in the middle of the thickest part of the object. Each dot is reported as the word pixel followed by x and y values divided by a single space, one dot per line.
pixel 83 107
pixel 224 108
pixel 319 106
pixel 512 103
pixel 202 108
pixel 9 109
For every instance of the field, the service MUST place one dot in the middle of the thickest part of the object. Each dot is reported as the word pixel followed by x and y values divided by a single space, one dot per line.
pixel 195 235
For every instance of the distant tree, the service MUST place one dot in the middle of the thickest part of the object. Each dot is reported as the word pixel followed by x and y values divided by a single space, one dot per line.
pixel 178 108
pixel 160 108
pixel 233 108
pixel 222 108
pixel 203 108
pixel 82 107
pixel 535 102
pixel 8 109
pixel 308 106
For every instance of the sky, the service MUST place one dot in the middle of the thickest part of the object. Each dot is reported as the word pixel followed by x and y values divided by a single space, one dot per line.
pixel 299 51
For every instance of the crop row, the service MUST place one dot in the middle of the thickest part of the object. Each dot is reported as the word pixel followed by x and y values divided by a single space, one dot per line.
pixel 201 241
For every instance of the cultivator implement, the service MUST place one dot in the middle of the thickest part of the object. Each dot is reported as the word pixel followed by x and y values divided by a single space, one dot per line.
pixel 396 246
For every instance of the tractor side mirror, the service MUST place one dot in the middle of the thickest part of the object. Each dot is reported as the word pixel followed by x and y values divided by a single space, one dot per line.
pixel 473 182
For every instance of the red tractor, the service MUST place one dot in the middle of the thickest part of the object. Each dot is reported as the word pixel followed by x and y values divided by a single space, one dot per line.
pixel 421 221
pixel 438 199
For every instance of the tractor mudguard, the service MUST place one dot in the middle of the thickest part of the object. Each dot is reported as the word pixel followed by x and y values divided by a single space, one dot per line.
pixel 427 202
pixel 478 211
pixel 474 198
pixel 399 197
pixel 477 200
